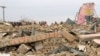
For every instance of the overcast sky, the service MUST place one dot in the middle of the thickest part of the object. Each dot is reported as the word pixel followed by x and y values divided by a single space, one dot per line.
pixel 49 10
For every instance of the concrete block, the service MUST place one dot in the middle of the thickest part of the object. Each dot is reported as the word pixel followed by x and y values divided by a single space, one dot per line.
pixel 23 48
pixel 38 45
pixel 68 36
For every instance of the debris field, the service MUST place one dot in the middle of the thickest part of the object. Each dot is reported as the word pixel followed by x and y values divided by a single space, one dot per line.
pixel 41 39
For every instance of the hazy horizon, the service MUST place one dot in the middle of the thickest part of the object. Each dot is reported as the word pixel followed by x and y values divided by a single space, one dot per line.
pixel 43 10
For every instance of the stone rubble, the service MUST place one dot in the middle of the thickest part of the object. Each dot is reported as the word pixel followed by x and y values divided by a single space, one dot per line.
pixel 49 40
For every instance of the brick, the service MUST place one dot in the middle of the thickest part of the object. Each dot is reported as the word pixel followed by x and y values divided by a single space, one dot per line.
pixel 20 39
pixel 39 37
pixel 43 36
pixel 25 40
pixel 34 38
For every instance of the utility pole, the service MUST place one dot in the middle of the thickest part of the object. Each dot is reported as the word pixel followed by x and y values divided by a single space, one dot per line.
pixel 3 7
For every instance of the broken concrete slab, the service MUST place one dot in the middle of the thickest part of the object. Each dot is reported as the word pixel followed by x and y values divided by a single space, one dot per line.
pixel 38 45
pixel 23 48
pixel 97 41
pixel 29 39
pixel 89 36
pixel 38 37
pixel 68 36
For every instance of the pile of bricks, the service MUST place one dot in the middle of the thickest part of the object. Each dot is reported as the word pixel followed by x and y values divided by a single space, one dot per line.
pixel 46 39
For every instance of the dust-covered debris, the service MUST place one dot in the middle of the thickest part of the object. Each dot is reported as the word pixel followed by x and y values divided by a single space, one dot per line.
pixel 57 39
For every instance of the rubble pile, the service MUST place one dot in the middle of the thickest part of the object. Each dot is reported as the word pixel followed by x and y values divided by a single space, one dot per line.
pixel 57 39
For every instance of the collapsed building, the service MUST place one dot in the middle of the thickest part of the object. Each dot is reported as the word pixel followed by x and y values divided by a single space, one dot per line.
pixel 58 39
